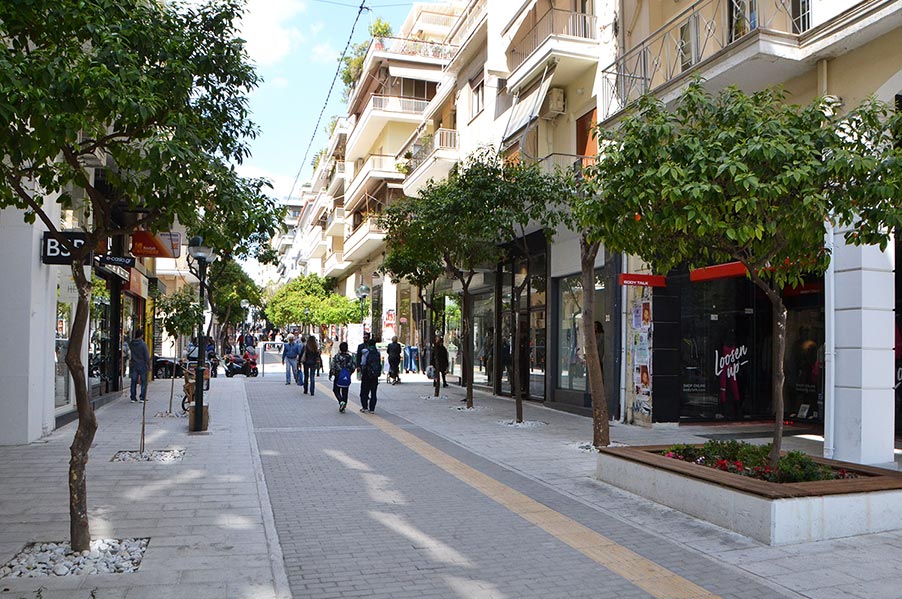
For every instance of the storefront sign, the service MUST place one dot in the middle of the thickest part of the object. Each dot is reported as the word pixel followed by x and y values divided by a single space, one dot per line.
pixel 114 270
pixel 161 245
pixel 720 271
pixel 730 361
pixel 642 280
pixel 137 283
pixel 123 261
pixel 54 252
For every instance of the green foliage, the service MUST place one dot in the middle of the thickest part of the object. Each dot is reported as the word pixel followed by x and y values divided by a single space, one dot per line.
pixel 751 460
pixel 352 68
pixel 179 311
pixel 738 177
pixel 230 284
pixel 310 300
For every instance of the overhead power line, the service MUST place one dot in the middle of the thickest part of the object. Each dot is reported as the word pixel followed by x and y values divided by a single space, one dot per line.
pixel 360 10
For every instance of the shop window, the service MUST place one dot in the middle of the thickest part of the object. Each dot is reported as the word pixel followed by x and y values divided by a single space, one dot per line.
pixel 571 371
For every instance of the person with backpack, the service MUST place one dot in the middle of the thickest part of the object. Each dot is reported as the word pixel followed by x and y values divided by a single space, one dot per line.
pixel 360 350
pixel 370 371
pixel 340 370
pixel 310 359
pixel 290 352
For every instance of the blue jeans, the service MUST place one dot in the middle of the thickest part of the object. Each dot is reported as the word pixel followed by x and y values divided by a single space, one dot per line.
pixel 291 370
pixel 136 372
pixel 309 377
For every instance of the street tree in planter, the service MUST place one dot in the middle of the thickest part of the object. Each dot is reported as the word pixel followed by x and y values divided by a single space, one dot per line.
pixel 120 109
pixel 410 255
pixel 178 312
pixel 746 178
pixel 229 286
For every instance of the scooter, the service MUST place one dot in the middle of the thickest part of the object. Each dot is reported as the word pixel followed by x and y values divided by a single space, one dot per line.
pixel 246 365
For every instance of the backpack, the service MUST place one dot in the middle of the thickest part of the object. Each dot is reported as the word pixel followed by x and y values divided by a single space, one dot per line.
pixel 344 377
pixel 372 363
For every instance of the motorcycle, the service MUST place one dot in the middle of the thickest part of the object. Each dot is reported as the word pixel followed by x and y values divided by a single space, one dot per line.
pixel 246 365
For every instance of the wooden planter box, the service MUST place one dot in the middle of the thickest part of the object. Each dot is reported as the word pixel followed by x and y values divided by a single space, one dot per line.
pixel 773 513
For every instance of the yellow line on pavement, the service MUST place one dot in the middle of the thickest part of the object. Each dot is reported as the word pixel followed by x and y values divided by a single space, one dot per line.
pixel 644 573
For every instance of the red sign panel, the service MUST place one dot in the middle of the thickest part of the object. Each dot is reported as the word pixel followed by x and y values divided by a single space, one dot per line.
pixel 719 271
pixel 642 280
pixel 161 245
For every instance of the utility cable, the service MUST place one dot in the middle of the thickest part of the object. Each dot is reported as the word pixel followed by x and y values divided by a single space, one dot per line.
pixel 328 96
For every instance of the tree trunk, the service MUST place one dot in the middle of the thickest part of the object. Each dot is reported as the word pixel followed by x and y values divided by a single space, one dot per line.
pixel 224 332
pixel 466 326
pixel 79 529
pixel 516 374
pixel 601 431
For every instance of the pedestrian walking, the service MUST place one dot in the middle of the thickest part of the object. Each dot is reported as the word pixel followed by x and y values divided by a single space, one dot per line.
pixel 341 368
pixel 290 353
pixel 360 348
pixel 440 361
pixel 393 351
pixel 310 359
pixel 370 371
pixel 139 365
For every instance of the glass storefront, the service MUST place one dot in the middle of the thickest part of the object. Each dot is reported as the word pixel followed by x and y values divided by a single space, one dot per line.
pixel 571 355
pixel 483 338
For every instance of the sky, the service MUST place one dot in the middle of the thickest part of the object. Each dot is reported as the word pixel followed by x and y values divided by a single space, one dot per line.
pixel 295 45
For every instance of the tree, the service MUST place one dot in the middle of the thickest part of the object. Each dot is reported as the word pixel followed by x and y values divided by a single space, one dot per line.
pixel 179 312
pixel 746 178
pixel 153 96
pixel 229 284
pixel 309 299
pixel 352 69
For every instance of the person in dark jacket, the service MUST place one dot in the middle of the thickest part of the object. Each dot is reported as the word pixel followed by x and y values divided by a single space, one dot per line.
pixel 394 360
pixel 139 365
pixel 370 370
pixel 310 360
pixel 440 360
pixel 341 360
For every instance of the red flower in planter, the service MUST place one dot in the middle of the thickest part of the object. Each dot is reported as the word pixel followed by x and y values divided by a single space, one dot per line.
pixel 722 464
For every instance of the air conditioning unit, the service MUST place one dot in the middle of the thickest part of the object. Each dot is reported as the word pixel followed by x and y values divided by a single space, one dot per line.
pixel 557 102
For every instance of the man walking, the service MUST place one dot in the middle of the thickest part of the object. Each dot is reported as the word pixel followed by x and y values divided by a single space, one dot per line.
pixel 393 351
pixel 290 352
pixel 440 361
pixel 340 371
pixel 360 348
pixel 370 371
pixel 139 365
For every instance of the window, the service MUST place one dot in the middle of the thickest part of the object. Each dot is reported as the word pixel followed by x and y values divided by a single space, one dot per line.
pixel 421 90
pixel 686 48
pixel 477 98
pixel 801 15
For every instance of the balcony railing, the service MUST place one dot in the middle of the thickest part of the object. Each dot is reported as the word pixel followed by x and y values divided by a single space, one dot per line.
pixel 426 145
pixel 699 32
pixel 436 19
pixel 467 22
pixel 398 104
pixel 553 22
pixel 566 163
pixel 409 47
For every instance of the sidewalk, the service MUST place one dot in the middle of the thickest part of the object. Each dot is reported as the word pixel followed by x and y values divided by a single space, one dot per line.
pixel 210 519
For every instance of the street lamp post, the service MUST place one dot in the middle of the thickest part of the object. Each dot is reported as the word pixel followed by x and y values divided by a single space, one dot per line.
pixel 362 293
pixel 202 254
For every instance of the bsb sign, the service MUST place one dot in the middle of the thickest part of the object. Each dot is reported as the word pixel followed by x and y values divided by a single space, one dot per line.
pixel 53 252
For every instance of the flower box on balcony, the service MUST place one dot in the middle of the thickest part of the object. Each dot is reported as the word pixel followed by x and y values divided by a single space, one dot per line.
pixel 772 513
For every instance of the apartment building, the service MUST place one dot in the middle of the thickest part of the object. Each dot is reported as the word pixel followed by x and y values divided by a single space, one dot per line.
pixel 532 78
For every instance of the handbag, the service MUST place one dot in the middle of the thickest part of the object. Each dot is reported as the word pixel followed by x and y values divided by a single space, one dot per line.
pixel 430 372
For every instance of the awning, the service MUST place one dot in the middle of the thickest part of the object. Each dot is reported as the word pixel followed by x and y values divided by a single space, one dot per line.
pixel 445 89
pixel 527 105
pixel 418 73
pixel 514 24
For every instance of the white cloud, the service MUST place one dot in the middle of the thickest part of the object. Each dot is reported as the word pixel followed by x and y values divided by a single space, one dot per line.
pixel 317 27
pixel 279 82
pixel 267 28
pixel 324 53
pixel 281 184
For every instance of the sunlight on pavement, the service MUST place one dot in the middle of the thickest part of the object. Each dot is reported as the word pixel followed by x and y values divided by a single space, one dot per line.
pixel 235 522
pixel 378 487
pixel 346 460
pixel 473 589
pixel 146 491
pixel 438 550
pixel 270 453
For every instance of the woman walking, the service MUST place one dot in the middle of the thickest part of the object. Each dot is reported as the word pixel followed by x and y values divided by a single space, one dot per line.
pixel 311 360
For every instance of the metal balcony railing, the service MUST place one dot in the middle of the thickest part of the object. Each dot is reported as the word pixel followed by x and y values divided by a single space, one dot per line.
pixel 369 224
pixel 436 19
pixel 565 162
pixel 696 34
pixel 410 47
pixel 467 22
pixel 426 145
pixel 554 22
pixel 398 104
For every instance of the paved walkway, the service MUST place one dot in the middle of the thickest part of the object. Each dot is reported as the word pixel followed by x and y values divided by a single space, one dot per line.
pixel 419 500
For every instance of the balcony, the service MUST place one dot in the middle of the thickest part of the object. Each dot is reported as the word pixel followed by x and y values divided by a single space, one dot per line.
pixel 314 243
pixel 286 241
pixel 432 157
pixel 565 163
pixel 377 168
pixel 464 35
pixel 567 36
pixel 335 223
pixel 336 178
pixel 379 111
pixel 335 264
pixel 364 240
pixel 750 43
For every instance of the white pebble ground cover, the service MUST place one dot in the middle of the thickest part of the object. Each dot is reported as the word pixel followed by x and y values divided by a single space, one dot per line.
pixel 106 556
pixel 165 456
